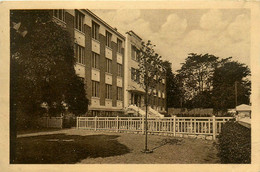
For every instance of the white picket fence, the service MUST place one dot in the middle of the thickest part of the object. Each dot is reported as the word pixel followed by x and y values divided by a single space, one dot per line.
pixel 168 125
pixel 50 122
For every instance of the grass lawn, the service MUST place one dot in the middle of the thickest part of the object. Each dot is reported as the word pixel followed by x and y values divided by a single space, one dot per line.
pixel 83 146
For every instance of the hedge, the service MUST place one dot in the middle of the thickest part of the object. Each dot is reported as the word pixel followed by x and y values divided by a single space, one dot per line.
pixel 234 144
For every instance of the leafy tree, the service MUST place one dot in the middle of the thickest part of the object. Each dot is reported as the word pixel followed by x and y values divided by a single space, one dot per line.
pixel 42 75
pixel 224 79
pixel 150 72
pixel 196 78
pixel 173 87
pixel 43 61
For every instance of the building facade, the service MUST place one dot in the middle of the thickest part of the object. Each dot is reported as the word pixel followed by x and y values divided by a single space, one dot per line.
pixel 99 53
pixel 107 62
pixel 134 94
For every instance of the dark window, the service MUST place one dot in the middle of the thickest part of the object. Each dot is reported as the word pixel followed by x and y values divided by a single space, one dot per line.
pixel 108 65
pixel 119 46
pixel 95 89
pixel 108 39
pixel 79 20
pixel 95 60
pixel 137 77
pixel 119 93
pixel 119 70
pixel 60 14
pixel 133 74
pixel 95 30
pixel 80 54
pixel 134 53
pixel 108 91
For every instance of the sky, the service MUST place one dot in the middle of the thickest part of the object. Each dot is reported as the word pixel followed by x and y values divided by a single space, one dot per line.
pixel 178 32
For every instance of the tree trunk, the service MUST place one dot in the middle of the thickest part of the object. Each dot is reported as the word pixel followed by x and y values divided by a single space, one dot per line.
pixel 146 113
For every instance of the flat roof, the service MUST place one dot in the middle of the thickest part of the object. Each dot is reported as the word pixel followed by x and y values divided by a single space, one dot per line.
pixel 133 33
pixel 103 22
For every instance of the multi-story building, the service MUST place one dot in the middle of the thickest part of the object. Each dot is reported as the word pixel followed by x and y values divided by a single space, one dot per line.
pixel 134 94
pixel 107 62
pixel 99 53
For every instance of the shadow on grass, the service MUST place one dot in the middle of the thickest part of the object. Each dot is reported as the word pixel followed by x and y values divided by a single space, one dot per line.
pixel 66 149
pixel 168 141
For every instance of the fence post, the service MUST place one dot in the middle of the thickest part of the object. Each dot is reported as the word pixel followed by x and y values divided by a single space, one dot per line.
pixel 77 123
pixel 214 127
pixel 95 123
pixel 61 122
pixel 117 124
pixel 174 125
pixel 143 125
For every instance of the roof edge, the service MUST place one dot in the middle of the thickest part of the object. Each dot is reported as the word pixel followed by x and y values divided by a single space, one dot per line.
pixel 133 33
pixel 103 22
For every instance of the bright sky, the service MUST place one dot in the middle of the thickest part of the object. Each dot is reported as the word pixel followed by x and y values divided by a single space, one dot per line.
pixel 176 33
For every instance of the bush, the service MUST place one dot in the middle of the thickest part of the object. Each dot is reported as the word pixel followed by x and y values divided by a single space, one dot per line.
pixel 234 144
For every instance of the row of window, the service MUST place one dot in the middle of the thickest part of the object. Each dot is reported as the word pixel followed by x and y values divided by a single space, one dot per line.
pixel 79 25
pixel 80 58
pixel 108 93
pixel 135 76
pixel 95 35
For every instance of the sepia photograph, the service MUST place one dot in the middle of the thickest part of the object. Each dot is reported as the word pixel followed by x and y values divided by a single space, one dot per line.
pixel 101 85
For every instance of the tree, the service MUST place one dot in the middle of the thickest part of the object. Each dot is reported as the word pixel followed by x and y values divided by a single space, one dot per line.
pixel 173 87
pixel 196 77
pixel 42 75
pixel 44 63
pixel 150 72
pixel 226 77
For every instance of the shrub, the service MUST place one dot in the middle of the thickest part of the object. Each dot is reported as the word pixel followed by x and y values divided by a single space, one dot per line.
pixel 234 144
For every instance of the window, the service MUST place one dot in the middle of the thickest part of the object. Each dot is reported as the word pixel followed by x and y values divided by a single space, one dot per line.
pixel 134 53
pixel 108 39
pixel 135 75
pixel 95 113
pixel 119 93
pixel 80 54
pixel 108 65
pixel 95 60
pixel 60 14
pixel 95 89
pixel 79 20
pixel 95 30
pixel 108 91
pixel 119 70
pixel 119 46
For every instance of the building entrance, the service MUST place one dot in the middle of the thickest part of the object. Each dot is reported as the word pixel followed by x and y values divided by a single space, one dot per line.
pixel 136 99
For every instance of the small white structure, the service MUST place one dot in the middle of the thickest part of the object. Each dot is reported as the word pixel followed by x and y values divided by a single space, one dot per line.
pixel 243 111
pixel 243 116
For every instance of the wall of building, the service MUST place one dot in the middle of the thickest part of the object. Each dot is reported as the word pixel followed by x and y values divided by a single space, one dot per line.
pixel 157 102
pixel 84 39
